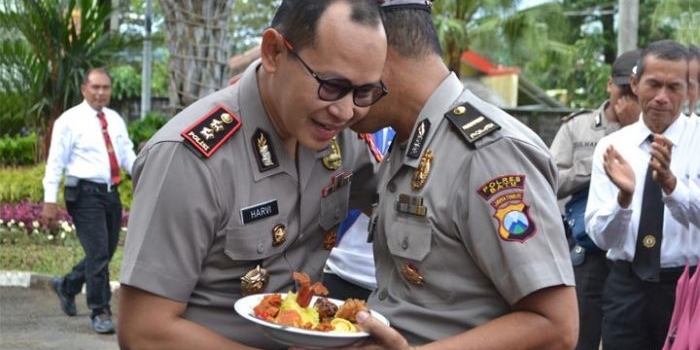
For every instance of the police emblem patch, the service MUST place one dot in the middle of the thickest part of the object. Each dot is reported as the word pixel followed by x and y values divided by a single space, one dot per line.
pixel 208 133
pixel 514 223
pixel 419 136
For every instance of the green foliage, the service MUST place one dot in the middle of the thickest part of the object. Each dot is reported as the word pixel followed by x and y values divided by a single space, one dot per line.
pixel 25 184
pixel 22 183
pixel 142 130
pixel 126 82
pixel 52 44
pixel 18 150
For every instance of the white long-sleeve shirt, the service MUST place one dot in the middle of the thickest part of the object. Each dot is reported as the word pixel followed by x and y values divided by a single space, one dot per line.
pixel 78 148
pixel 614 228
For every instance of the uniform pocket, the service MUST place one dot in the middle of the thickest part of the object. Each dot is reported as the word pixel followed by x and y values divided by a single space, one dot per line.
pixel 410 239
pixel 334 207
pixel 254 242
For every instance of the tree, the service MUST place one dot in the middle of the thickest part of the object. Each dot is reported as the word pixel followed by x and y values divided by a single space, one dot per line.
pixel 197 36
pixel 46 47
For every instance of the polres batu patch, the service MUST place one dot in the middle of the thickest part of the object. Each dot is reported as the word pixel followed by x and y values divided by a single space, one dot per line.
pixel 208 133
pixel 510 209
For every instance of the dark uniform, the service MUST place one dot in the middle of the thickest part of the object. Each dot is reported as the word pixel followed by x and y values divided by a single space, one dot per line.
pixel 465 225
pixel 216 194
pixel 572 149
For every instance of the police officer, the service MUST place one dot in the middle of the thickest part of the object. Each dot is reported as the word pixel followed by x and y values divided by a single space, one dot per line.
pixel 572 149
pixel 468 253
pixel 249 184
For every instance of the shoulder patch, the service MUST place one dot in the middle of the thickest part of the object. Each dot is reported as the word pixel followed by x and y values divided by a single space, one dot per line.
pixel 471 123
pixel 208 133
pixel 576 113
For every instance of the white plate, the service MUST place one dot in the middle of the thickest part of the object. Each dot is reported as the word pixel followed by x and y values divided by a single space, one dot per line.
pixel 293 336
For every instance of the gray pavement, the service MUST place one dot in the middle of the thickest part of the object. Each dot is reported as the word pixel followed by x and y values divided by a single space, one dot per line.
pixel 31 318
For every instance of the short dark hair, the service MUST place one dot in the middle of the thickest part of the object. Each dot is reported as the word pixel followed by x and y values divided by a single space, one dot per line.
pixel 664 49
pixel 297 20
pixel 410 31
pixel 86 76
pixel 626 90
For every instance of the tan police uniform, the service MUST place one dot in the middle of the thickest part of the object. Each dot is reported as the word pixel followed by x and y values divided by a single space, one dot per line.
pixel 573 145
pixel 216 194
pixel 466 223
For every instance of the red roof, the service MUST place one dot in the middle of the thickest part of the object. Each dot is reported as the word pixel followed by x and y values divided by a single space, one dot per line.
pixel 485 66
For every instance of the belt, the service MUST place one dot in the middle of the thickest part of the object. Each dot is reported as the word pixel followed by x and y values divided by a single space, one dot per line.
pixel 100 186
pixel 667 274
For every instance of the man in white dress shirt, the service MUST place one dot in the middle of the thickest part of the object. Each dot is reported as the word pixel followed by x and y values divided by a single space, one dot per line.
pixel 90 143
pixel 639 294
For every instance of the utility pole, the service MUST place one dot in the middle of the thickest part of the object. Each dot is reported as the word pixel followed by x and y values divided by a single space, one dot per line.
pixel 147 58
pixel 628 25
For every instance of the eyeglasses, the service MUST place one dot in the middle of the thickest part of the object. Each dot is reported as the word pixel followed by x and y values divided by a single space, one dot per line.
pixel 336 88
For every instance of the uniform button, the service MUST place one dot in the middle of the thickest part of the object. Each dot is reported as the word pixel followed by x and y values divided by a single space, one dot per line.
pixel 261 248
pixel 392 187
pixel 382 295
pixel 404 244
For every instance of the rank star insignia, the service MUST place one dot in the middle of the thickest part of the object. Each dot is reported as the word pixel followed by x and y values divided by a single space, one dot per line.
pixel 208 133
pixel 254 281
pixel 514 223
pixel 420 175
pixel 334 160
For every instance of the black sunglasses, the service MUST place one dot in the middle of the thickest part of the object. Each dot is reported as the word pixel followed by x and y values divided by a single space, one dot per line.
pixel 335 88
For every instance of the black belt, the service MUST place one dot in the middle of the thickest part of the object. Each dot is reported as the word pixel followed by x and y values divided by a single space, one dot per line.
pixel 100 186
pixel 667 274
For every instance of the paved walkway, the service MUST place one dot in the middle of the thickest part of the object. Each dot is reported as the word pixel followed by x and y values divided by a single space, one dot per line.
pixel 31 318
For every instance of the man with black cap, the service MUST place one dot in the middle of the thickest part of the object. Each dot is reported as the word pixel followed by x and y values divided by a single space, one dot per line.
pixel 572 149
pixel 468 253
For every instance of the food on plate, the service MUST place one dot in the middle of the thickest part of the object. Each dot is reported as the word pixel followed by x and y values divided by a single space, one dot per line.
pixel 294 309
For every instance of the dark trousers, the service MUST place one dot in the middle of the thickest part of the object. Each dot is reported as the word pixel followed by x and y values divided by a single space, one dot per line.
pixel 636 313
pixel 590 279
pixel 96 214
pixel 341 289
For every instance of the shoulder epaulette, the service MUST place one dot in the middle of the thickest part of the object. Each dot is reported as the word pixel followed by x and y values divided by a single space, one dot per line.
pixel 471 123
pixel 208 133
pixel 576 113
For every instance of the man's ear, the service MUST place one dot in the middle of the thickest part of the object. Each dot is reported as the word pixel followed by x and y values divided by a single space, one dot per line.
pixel 633 83
pixel 272 50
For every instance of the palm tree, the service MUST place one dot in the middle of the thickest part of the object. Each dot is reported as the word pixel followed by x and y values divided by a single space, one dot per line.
pixel 46 47
pixel 197 36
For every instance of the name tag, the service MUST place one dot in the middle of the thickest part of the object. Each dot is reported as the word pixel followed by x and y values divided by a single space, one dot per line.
pixel 259 211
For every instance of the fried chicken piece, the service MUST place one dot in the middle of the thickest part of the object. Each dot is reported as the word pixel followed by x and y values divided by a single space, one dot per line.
pixel 326 309
pixel 350 308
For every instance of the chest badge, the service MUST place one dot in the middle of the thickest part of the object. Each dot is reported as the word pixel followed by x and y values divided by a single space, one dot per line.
pixel 254 281
pixel 410 273
pixel 420 175
pixel 279 235
pixel 334 160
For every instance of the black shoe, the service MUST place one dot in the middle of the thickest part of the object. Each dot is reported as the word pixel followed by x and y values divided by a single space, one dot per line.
pixel 102 323
pixel 67 301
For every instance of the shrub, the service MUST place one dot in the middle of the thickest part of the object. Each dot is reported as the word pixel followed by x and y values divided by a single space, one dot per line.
pixel 18 150
pixel 143 129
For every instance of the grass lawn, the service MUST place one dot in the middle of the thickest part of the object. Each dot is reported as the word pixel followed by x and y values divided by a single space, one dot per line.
pixel 42 255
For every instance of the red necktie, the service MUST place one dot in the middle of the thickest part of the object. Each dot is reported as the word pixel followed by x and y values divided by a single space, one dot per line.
pixel 113 165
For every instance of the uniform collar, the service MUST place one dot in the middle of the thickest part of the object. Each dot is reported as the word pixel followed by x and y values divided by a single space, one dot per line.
pixel 430 117
pixel 673 133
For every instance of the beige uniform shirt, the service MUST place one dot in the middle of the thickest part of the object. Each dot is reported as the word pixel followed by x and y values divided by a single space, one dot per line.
pixel 573 145
pixel 481 231
pixel 199 224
